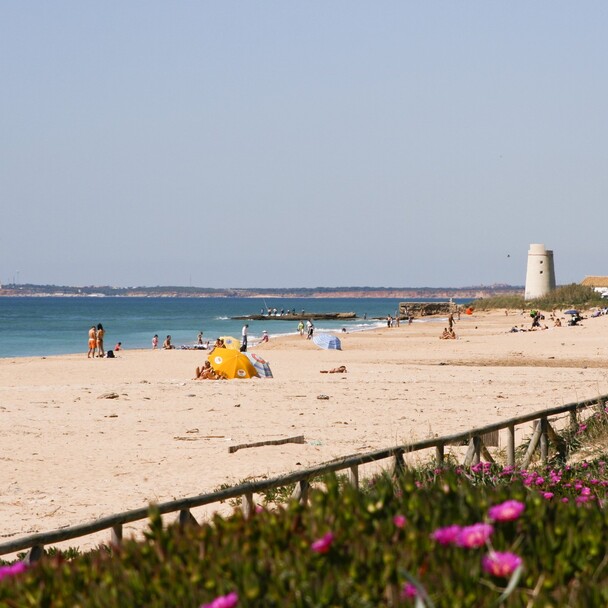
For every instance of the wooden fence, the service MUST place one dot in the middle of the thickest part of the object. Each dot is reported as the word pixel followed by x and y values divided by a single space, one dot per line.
pixel 543 435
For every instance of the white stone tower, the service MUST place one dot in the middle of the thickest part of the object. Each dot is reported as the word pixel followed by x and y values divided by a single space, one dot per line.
pixel 540 276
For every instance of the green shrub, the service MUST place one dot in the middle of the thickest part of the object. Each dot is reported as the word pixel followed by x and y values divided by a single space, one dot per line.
pixel 565 296
pixel 371 544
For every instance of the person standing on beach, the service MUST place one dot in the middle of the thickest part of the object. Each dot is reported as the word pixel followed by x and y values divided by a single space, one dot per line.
pixel 301 328
pixel 310 328
pixel 155 341
pixel 199 339
pixel 244 338
pixel 100 334
pixel 92 342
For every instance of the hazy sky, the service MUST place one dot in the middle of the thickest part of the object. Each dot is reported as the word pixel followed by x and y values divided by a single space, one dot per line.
pixel 320 143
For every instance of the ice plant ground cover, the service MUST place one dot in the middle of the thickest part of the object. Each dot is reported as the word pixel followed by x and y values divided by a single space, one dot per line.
pixel 506 544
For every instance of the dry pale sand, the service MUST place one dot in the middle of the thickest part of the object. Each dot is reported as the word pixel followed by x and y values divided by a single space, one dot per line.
pixel 69 456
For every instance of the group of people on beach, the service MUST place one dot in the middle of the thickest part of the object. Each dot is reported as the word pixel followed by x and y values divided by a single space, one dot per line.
pixel 96 334
pixel 96 349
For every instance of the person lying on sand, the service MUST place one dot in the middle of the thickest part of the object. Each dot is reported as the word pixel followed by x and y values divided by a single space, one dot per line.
pixel 335 370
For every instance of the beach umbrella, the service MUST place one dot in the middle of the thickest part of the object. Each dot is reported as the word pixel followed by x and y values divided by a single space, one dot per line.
pixel 571 312
pixel 327 341
pixel 260 365
pixel 231 363
pixel 231 342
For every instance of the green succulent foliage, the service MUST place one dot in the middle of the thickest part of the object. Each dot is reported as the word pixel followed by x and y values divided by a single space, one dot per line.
pixel 268 560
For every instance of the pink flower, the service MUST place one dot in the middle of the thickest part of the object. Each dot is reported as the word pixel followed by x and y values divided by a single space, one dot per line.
pixel 409 591
pixel 399 521
pixel 500 564
pixel 548 495
pixel 506 511
pixel 323 544
pixel 447 535
pixel 474 536
pixel 223 601
pixel 565 499
pixel 8 571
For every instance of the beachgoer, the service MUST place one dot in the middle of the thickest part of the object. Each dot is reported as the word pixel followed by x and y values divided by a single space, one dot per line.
pixel 389 321
pixel 167 343
pixel 264 336
pixel 536 320
pixel 155 341
pixel 199 338
pixel 447 334
pixel 244 338
pixel 451 320
pixel 301 328
pixel 206 372
pixel 92 341
pixel 100 334
pixel 118 346
pixel 310 328
pixel 335 370
pixel 557 323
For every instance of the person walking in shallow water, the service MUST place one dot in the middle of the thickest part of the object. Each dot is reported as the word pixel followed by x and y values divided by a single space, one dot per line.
pixel 92 342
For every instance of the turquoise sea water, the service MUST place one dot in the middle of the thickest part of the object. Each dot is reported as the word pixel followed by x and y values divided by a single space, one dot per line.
pixel 59 325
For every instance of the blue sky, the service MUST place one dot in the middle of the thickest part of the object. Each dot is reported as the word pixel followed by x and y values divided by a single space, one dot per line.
pixel 275 144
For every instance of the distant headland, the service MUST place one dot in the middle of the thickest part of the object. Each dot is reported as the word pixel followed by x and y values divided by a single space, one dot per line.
pixel 474 292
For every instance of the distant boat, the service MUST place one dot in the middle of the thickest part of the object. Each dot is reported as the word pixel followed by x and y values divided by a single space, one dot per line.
pixel 288 316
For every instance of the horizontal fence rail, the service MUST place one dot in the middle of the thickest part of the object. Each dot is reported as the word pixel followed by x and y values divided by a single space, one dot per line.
pixel 543 434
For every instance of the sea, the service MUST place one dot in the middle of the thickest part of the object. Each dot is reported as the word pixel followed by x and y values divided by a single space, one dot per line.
pixel 44 326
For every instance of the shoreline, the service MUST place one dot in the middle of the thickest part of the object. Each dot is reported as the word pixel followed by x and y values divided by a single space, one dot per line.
pixel 72 455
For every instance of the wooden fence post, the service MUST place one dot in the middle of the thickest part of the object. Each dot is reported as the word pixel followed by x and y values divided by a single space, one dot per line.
pixel 353 476
pixel 33 555
pixel 473 453
pixel 573 421
pixel 486 454
pixel 300 492
pixel 532 446
pixel 398 463
pixel 558 442
pixel 247 506
pixel 439 454
pixel 511 445
pixel 187 519
pixel 116 535
pixel 544 443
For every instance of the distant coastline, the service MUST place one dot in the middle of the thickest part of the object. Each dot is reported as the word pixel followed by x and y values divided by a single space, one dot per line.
pixel 481 291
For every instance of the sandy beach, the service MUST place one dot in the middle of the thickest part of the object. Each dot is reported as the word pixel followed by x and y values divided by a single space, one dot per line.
pixel 69 456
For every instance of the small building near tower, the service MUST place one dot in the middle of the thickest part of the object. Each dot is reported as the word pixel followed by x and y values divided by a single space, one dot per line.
pixel 540 275
pixel 599 284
